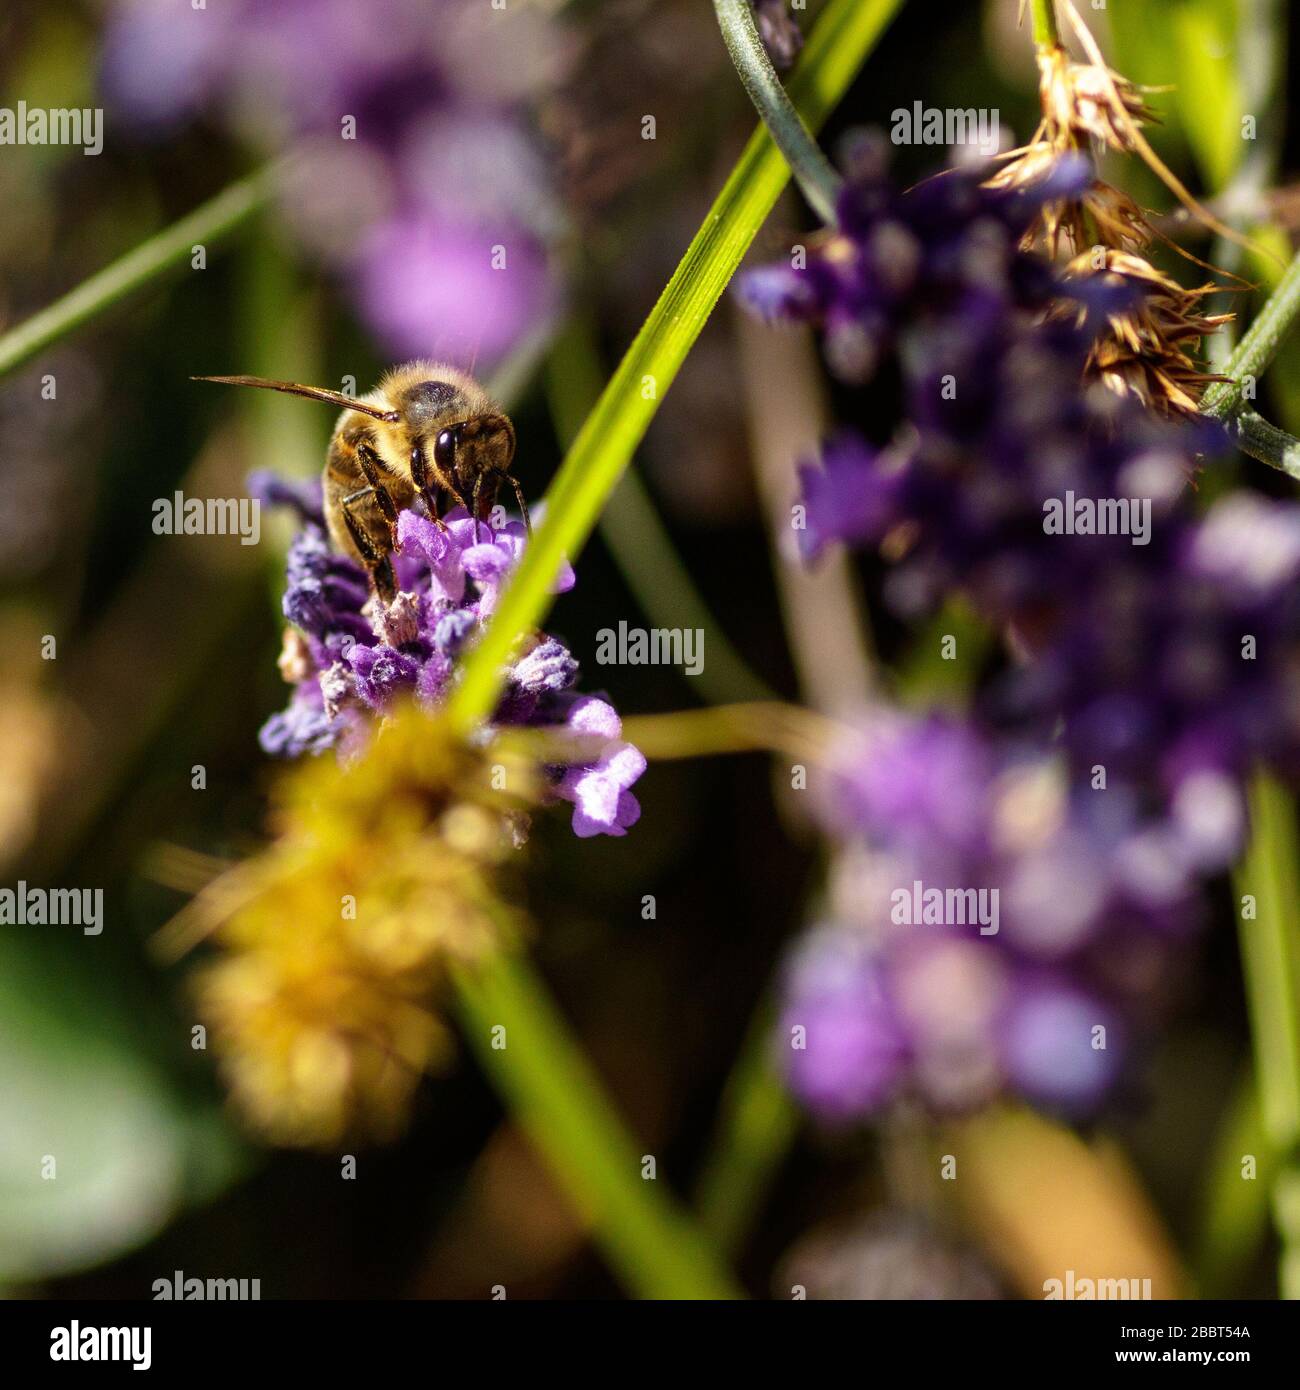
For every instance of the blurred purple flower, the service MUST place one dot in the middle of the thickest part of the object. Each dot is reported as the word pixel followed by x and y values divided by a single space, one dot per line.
pixel 1156 662
pixel 920 782
pixel 306 496
pixel 414 176
pixel 851 498
pixel 1011 984
pixel 416 274
pixel 848 1051
pixel 1050 1049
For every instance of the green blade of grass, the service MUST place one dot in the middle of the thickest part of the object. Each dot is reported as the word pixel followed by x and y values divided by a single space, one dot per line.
pixel 812 170
pixel 756 1127
pixel 162 252
pixel 1233 1215
pixel 550 1087
pixel 649 1240
pixel 637 538
pixel 845 34
pixel 1044 28
pixel 1269 878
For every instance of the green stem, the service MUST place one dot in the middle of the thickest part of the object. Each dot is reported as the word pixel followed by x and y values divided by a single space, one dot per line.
pixel 649 1240
pixel 1233 1219
pixel 1265 442
pixel 1253 86
pixel 846 33
pixel 755 1128
pixel 1270 948
pixel 812 170
pixel 1258 346
pixel 636 536
pixel 153 258
pixel 1046 32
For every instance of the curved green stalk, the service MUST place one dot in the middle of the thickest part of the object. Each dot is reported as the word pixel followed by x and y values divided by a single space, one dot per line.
pixel 846 33
pixel 1258 345
pixel 650 1241
pixel 1265 442
pixel 164 251
pixel 1268 879
pixel 812 170
pixel 637 538
pixel 1232 1223
pixel 755 1128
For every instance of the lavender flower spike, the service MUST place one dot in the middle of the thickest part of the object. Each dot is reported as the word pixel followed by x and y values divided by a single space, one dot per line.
pixel 349 656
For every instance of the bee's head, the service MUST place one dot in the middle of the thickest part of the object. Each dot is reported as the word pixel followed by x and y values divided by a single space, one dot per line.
pixel 461 432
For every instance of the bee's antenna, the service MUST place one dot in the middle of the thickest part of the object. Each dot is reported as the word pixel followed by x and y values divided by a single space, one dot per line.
pixel 315 393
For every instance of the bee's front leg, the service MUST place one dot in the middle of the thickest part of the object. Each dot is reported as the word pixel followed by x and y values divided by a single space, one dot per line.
pixel 476 508
pixel 425 484
pixel 379 565
pixel 373 469
pixel 500 473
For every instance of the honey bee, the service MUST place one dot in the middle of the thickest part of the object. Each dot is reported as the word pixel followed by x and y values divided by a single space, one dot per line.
pixel 427 427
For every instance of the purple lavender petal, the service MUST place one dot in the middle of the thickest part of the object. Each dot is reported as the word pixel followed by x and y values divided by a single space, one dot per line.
pixel 359 655
pixel 422 539
pixel 597 791
pixel 549 666
pixel 853 497
pixel 304 495
pixel 303 727
pixel 382 672
pixel 453 630
pixel 434 679
pixel 844 1049
pixel 776 292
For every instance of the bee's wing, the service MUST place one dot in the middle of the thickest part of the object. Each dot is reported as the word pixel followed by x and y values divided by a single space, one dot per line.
pixel 294 388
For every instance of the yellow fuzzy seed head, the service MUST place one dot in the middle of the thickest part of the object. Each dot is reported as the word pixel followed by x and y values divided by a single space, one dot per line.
pixel 333 942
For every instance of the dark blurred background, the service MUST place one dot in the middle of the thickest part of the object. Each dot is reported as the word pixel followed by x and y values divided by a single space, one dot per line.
pixel 166 653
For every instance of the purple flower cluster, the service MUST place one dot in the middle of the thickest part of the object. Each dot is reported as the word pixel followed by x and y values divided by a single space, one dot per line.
pixel 1166 639
pixel 996 929
pixel 348 656
pixel 1154 648
pixel 412 173
pixel 944 252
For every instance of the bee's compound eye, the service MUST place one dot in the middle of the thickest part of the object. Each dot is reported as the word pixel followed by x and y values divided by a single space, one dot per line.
pixel 444 450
